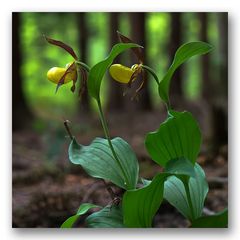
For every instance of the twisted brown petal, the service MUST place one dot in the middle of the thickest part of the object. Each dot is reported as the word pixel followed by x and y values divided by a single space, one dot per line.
pixel 83 84
pixel 62 45
pixel 137 51
pixel 141 86
pixel 61 81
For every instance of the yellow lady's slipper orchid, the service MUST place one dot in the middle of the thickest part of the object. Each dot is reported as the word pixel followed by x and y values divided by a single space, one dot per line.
pixel 56 73
pixel 122 73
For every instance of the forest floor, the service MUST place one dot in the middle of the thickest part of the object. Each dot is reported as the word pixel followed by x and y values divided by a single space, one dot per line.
pixel 47 188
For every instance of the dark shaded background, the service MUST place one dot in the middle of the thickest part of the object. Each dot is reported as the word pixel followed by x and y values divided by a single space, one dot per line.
pixel 47 188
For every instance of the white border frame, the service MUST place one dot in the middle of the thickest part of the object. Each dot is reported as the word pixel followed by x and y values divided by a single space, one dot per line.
pixel 7 7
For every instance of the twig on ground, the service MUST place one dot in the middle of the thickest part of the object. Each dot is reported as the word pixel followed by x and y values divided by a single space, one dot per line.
pixel 68 129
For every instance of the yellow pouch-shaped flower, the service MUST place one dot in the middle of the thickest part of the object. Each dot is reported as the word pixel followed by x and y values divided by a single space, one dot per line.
pixel 56 73
pixel 121 73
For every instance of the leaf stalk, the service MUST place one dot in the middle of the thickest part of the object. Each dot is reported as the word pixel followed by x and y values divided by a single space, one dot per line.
pixel 106 132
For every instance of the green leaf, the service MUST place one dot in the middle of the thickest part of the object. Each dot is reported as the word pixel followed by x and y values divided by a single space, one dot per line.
pixel 180 166
pixel 82 210
pixel 98 161
pixel 140 205
pixel 108 217
pixel 218 220
pixel 85 207
pixel 70 221
pixel 175 193
pixel 98 71
pixel 184 52
pixel 178 137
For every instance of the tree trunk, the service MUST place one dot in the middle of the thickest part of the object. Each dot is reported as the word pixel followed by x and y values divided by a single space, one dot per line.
pixel 83 38
pixel 214 90
pixel 176 91
pixel 207 89
pixel 223 27
pixel 220 117
pixel 22 115
pixel 115 101
pixel 138 36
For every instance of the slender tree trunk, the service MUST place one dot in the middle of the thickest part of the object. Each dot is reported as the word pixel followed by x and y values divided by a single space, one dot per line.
pixel 83 37
pixel 205 62
pixel 115 101
pixel 138 35
pixel 21 113
pixel 214 90
pixel 223 27
pixel 220 107
pixel 174 43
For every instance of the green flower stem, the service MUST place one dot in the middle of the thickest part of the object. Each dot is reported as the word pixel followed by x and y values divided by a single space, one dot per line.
pixel 189 198
pixel 168 106
pixel 85 66
pixel 106 132
pixel 151 71
pixel 104 125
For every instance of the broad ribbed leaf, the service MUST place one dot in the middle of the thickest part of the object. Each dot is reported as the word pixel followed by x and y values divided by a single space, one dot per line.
pixel 97 72
pixel 175 194
pixel 108 217
pixel 183 53
pixel 140 206
pixel 181 167
pixel 198 190
pixel 82 210
pixel 178 137
pixel 218 220
pixel 98 161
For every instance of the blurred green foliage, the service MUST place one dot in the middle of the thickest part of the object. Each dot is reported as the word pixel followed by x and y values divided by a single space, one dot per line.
pixel 39 56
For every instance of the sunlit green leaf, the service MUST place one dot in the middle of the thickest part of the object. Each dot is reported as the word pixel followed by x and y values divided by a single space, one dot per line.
pixel 178 137
pixel 184 53
pixel 98 71
pixel 175 193
pixel 82 210
pixel 140 205
pixel 108 217
pixel 218 220
pixel 98 161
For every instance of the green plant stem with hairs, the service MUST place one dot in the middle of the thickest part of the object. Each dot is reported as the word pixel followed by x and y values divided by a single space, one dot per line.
pixel 85 66
pixel 104 125
pixel 151 71
pixel 106 132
